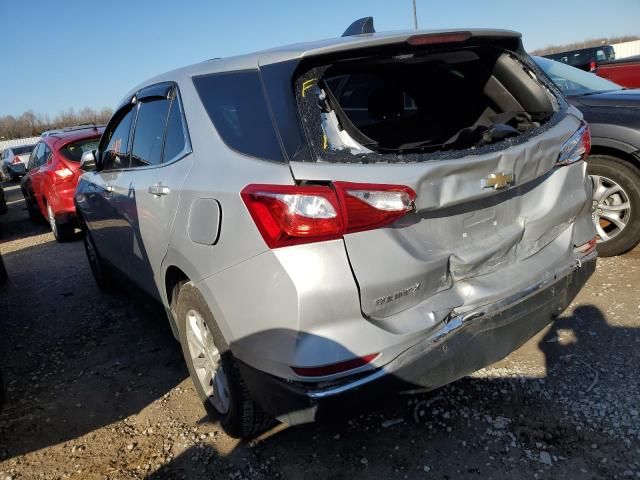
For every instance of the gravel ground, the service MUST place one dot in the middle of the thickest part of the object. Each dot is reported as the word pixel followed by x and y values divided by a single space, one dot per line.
pixel 98 390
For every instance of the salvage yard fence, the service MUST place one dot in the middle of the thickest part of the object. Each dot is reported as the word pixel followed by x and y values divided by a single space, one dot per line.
pixel 18 142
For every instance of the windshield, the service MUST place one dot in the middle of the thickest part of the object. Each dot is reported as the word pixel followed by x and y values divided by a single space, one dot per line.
pixel 573 81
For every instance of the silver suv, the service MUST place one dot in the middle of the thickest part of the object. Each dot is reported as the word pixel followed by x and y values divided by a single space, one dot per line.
pixel 331 220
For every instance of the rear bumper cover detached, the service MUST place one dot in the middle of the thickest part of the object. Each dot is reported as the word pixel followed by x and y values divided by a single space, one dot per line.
pixel 467 342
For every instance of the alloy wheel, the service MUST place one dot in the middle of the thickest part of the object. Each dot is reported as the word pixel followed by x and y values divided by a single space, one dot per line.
pixel 611 208
pixel 207 361
pixel 52 220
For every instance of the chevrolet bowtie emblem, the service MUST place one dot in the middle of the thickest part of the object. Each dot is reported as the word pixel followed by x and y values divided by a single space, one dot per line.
pixel 497 181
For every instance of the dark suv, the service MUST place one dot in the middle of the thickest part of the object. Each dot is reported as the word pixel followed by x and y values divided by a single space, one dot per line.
pixel 585 58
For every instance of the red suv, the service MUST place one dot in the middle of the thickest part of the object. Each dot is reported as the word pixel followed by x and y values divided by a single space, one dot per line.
pixel 52 174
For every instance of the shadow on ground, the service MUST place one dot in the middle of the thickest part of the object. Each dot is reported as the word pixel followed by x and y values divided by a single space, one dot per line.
pixel 502 427
pixel 74 359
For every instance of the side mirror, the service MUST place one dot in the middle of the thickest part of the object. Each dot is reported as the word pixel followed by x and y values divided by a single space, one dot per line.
pixel 88 162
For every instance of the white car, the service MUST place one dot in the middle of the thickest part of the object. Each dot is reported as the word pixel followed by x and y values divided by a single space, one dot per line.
pixel 14 162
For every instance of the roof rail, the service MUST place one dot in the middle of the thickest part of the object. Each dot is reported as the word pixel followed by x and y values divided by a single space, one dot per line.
pixel 361 26
pixel 82 126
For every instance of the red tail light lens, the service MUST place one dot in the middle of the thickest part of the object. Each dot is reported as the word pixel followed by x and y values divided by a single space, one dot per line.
pixel 370 206
pixel 333 368
pixel 576 148
pixel 288 215
pixel 62 175
pixel 292 215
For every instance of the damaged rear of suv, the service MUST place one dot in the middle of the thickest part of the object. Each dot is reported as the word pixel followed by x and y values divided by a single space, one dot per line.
pixel 372 213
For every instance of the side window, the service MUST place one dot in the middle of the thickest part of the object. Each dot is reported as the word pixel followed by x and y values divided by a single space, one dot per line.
pixel 175 138
pixel 33 158
pixel 237 107
pixel 149 132
pixel 44 156
pixel 116 153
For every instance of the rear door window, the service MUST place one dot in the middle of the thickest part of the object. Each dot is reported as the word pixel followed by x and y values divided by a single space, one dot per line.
pixel 237 107
pixel 39 156
pixel 33 158
pixel 149 132
pixel 44 155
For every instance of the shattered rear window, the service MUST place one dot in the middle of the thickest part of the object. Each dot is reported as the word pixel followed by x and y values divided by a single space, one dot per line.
pixel 413 107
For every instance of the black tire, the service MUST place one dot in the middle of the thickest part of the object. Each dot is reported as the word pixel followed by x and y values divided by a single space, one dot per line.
pixel 3 272
pixel 15 178
pixel 244 418
pixel 627 177
pixel 63 232
pixel 3 202
pixel 32 208
pixel 102 272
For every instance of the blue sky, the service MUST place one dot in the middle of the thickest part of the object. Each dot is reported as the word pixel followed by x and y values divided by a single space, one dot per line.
pixel 73 53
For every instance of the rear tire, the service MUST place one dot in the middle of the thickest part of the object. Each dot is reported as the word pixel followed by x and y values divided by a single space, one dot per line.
pixel 3 272
pixel 3 202
pixel 608 171
pixel 239 415
pixel 63 232
pixel 101 271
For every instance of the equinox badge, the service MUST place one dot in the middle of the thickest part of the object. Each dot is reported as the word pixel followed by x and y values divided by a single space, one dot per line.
pixel 399 294
pixel 497 181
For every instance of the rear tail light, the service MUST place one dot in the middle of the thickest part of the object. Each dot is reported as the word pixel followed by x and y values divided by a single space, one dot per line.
pixel 292 215
pixel 288 215
pixel 370 206
pixel 576 148
pixel 586 247
pixel 333 368
pixel 62 175
pixel 16 160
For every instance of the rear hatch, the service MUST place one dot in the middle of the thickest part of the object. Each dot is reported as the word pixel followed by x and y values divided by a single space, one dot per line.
pixel 71 152
pixel 470 125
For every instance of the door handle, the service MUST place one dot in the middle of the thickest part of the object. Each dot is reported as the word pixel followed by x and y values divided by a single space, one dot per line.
pixel 159 190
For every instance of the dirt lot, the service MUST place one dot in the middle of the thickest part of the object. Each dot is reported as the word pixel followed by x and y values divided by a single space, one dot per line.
pixel 98 389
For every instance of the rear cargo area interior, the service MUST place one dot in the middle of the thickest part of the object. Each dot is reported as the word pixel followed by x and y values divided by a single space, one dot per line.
pixel 425 102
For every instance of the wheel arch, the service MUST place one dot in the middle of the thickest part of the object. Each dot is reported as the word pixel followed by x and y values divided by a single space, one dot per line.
pixel 173 277
pixel 630 158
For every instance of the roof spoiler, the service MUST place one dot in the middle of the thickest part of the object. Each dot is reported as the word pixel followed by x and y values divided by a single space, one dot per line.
pixel 361 26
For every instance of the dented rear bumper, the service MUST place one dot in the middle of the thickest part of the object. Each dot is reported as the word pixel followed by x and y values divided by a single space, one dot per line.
pixel 467 342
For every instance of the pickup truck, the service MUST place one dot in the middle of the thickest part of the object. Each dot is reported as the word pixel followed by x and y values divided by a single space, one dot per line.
pixel 624 71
